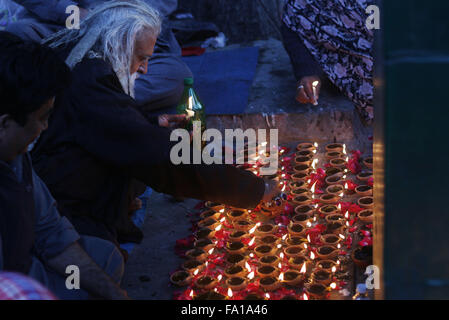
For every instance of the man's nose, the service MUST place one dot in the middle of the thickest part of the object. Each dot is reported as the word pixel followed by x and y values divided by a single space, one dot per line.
pixel 143 68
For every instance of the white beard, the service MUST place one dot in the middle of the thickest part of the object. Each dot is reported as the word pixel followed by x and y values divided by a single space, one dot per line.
pixel 128 87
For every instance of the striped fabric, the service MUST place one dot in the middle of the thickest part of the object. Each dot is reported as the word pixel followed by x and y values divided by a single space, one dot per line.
pixel 14 286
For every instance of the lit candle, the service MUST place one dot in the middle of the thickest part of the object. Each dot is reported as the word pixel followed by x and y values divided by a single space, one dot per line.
pixel 314 85
pixel 190 112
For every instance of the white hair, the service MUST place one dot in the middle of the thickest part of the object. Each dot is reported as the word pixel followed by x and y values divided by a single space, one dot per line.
pixel 109 32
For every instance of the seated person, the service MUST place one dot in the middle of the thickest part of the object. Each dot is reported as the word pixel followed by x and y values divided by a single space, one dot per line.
pixel 34 239
pixel 98 141
pixel 328 41
pixel 160 88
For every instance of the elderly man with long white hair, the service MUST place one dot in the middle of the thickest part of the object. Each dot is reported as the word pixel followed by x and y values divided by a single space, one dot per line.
pixel 160 88
pixel 98 142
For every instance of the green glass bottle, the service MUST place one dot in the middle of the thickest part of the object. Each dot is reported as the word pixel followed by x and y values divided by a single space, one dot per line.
pixel 191 105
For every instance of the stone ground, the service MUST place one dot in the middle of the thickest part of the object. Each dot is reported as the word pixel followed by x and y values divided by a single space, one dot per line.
pixel 271 100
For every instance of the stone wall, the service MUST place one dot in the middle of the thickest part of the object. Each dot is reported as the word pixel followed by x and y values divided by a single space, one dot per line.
pixel 240 20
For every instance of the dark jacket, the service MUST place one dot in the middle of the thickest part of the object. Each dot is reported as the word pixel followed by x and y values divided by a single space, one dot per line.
pixel 98 141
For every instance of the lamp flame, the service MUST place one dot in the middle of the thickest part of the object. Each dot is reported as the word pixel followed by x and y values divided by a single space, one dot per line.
pixel 339 207
pixel 346 186
pixel 309 224
pixel 279 246
pixel 333 285
pixel 211 250
pixel 191 293
pixel 196 272
pixel 341 236
pixel 247 266
pixel 308 238
pixel 334 269
pixel 281 277
pixel 344 148
pixel 283 189
pixel 219 277
pixel 305 246
pixel 316 144
pixel 230 293
pixel 341 195
pixel 251 275
pixel 222 210
pixel 281 255
pixel 284 236
pixel 305 297
pixel 303 268
pixel 218 228
pixel 267 295
pixel 252 241
pixel 222 219
pixel 263 144
pixel 251 255
pixel 313 187
pixel 347 214
pixel 280 265
pixel 312 255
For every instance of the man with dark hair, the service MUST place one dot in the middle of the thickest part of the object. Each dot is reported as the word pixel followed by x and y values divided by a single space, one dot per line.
pixel 34 238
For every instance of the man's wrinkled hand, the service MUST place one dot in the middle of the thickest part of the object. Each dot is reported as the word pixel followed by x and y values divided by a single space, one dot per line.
pixel 172 120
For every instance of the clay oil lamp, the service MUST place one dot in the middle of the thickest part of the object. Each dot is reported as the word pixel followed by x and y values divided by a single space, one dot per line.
pixel 275 207
pixel 338 162
pixel 366 202
pixel 336 147
pixel 181 278
pixel 294 251
pixel 302 168
pixel 242 225
pixel 368 162
pixel 210 214
pixel 316 290
pixel 192 265
pixel 303 219
pixel 364 191
pixel 329 198
pixel 211 295
pixel 327 252
pixel 235 247
pixel 208 223
pixel 301 263
pixel 333 155
pixel 205 282
pixel 299 176
pixel 237 235
pixel 296 230
pixel 292 278
pixel 322 277
pixel 197 254
pixel 236 283
pixel 237 214
pixel 265 229
pixel 302 200
pixel 330 239
pixel 335 217
pixel 303 160
pixel 205 244
pixel 264 250
pixel 235 271
pixel 328 209
pixel 334 179
pixel 336 227
pixel 296 185
pixel 327 265
pixel 364 175
pixel 366 216
pixel 204 233
pixel 299 191
pixel 333 171
pixel 362 256
pixel 294 241
pixel 267 271
pixel 335 189
pixel 269 283
pixel 269 240
pixel 305 209
pixel 306 146
pixel 235 259
pixel 305 153
pixel 214 206
pixel 269 260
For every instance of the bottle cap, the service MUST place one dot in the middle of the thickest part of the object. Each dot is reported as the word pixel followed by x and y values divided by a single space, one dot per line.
pixel 361 288
pixel 188 81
